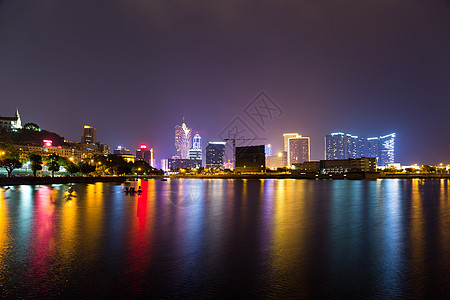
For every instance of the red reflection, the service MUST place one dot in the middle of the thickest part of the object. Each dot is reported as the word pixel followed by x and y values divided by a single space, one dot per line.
pixel 140 242
pixel 42 240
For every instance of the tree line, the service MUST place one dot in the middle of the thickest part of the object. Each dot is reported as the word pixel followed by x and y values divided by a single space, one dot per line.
pixel 11 159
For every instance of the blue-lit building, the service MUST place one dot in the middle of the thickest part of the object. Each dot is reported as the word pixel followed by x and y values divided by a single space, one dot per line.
pixel 214 154
pixel 387 149
pixel 336 146
pixel 196 151
pixel 268 150
pixel 344 146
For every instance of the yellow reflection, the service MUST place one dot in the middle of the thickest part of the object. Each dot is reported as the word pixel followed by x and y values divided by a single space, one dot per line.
pixel 68 238
pixel 443 217
pixel 94 212
pixel 417 233
pixel 4 237
pixel 288 226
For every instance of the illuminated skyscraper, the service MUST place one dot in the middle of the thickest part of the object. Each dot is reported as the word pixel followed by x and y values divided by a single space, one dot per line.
pixel 183 140
pixel 268 149
pixel 197 144
pixel 89 135
pixel 298 151
pixel 296 147
pixel 387 147
pixel 335 146
pixel 343 146
pixel 214 154
pixel 196 151
pixel 144 153
pixel 286 137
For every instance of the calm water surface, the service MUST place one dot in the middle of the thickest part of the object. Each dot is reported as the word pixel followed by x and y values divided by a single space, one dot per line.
pixel 188 238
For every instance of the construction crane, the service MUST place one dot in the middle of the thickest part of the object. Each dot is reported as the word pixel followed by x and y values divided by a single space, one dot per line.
pixel 234 147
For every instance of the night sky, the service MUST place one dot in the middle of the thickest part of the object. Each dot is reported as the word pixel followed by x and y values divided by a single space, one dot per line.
pixel 134 68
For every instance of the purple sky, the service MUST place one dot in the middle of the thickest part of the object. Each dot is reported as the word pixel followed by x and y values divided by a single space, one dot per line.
pixel 133 69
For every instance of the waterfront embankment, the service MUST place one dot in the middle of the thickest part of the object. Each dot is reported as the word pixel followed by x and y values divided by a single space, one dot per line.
pixel 6 181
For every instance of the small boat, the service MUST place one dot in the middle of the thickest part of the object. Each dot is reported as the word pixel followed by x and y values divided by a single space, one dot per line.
pixel 132 191
pixel 164 179
pixel 129 190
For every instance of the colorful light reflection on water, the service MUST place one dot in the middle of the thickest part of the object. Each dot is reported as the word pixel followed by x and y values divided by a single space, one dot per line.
pixel 227 238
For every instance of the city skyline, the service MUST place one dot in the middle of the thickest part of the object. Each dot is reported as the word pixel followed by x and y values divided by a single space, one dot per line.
pixel 328 67
pixel 296 147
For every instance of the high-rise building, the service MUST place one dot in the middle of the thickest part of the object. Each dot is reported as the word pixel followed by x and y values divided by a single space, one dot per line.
pixel 214 154
pixel 335 146
pixel 286 137
pixel 197 141
pixel 196 151
pixel 268 149
pixel 250 159
pixel 144 153
pixel 89 135
pixel 165 164
pixel 183 140
pixel 298 150
pixel 344 146
pixel 195 154
pixel 373 147
pixel 387 147
pixel 122 150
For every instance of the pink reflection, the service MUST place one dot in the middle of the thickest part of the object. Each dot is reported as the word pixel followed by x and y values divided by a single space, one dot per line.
pixel 42 240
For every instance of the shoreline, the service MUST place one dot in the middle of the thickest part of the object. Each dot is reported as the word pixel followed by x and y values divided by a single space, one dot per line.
pixel 29 180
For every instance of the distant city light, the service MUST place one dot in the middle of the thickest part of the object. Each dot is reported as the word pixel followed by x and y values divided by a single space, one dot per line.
pixel 143 146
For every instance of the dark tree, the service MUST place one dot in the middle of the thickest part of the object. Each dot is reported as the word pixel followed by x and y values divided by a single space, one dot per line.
pixel 36 162
pixel 122 170
pixel 9 158
pixel 86 168
pixel 141 167
pixel 10 164
pixel 53 163
pixel 72 168
pixel 428 169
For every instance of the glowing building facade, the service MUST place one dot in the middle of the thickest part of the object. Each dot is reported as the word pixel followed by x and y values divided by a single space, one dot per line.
pixel 286 137
pixel 296 147
pixel 298 150
pixel 386 149
pixel 145 153
pixel 196 151
pixel 268 150
pixel 335 146
pixel 183 140
pixel 344 146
